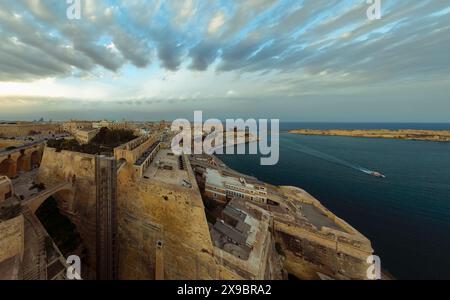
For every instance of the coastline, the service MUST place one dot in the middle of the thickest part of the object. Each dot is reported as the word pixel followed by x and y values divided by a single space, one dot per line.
pixel 300 221
pixel 403 134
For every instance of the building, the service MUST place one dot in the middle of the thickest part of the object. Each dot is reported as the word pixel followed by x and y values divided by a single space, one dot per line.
pixel 143 131
pixel 6 188
pixel 223 188
pixel 73 126
pixel 100 124
pixel 84 136
pixel 244 243
pixel 113 125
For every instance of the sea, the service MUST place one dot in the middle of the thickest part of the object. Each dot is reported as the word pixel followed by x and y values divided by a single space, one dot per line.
pixel 406 215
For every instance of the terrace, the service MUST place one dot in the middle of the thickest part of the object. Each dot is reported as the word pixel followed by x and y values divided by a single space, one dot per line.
pixel 167 168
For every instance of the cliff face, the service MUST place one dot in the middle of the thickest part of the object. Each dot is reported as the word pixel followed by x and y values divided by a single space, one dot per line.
pixel 79 207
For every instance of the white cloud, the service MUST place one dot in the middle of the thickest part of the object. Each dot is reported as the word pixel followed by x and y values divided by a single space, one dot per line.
pixel 260 48
pixel 51 88
pixel 216 22
pixel 231 93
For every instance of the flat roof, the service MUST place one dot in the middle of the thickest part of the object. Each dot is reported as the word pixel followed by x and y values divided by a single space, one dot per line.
pixel 87 129
pixel 231 232
pixel 234 213
pixel 214 177
pixel 317 218
pixel 156 170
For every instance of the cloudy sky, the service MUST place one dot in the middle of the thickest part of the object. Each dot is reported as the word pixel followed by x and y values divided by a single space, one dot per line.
pixel 303 60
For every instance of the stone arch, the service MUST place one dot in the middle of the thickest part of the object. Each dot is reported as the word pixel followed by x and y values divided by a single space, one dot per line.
pixel 58 222
pixel 64 197
pixel 121 163
pixel 8 167
pixel 36 159
pixel 23 162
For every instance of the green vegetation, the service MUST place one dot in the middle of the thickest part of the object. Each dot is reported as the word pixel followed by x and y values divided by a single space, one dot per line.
pixel 113 138
pixel 104 142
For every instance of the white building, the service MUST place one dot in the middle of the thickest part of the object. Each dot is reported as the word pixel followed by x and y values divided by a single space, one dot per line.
pixel 223 188
pixel 84 136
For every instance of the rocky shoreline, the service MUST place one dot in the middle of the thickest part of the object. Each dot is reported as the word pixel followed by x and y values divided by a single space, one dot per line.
pixel 405 134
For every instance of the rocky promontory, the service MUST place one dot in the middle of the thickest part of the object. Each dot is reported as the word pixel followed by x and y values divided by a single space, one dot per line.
pixel 403 134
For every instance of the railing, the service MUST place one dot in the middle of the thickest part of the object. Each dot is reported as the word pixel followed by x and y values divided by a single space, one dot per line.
pixel 49 192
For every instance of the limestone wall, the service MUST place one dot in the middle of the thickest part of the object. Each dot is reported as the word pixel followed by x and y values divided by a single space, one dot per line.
pixel 134 149
pixel 80 205
pixel 6 188
pixel 11 238
pixel 150 211
pixel 332 252
pixel 10 143
pixel 310 252
pixel 23 129
pixel 304 257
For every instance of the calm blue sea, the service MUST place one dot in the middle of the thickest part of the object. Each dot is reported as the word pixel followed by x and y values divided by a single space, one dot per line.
pixel 406 215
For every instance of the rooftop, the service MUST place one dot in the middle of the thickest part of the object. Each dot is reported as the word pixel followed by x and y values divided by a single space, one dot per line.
pixel 87 130
pixel 242 230
pixel 317 218
pixel 166 168
pixel 147 153
pixel 214 177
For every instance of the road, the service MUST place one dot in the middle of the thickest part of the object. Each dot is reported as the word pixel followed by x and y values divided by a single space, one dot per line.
pixel 36 141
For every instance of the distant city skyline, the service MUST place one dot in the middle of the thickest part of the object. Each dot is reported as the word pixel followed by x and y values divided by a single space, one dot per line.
pixel 311 61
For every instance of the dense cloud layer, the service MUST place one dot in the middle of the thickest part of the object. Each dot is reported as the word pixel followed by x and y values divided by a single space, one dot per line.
pixel 290 38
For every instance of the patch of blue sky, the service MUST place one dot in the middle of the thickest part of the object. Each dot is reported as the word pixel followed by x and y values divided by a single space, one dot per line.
pixel 264 45
pixel 323 15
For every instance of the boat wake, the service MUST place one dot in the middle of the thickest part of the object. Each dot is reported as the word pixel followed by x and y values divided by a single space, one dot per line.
pixel 332 159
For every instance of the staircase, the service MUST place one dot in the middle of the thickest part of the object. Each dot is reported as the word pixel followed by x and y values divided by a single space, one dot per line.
pixel 35 264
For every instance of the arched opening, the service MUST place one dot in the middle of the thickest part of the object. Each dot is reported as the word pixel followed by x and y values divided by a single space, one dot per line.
pixel 23 163
pixel 61 230
pixel 121 163
pixel 8 167
pixel 35 159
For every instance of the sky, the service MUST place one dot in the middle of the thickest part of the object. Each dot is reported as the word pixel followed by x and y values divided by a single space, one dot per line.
pixel 303 60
